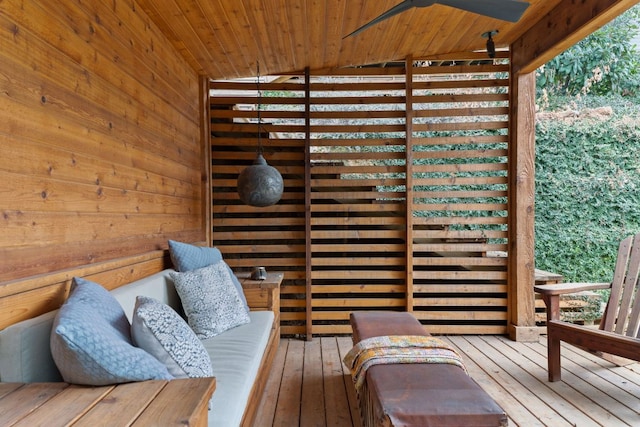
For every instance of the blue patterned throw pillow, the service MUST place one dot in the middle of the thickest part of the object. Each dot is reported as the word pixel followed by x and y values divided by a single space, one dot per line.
pixel 102 302
pixel 159 330
pixel 210 300
pixel 186 257
pixel 91 341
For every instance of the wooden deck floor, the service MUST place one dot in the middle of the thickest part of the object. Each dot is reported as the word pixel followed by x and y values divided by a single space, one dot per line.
pixel 309 385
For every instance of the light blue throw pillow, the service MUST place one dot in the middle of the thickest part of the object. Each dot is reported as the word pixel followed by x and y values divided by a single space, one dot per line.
pixel 91 341
pixel 210 300
pixel 161 332
pixel 102 302
pixel 186 257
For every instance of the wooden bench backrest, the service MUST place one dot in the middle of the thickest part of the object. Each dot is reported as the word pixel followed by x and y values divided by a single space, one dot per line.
pixel 27 298
pixel 622 314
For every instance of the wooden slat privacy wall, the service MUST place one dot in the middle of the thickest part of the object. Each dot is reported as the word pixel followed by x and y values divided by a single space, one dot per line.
pixel 406 190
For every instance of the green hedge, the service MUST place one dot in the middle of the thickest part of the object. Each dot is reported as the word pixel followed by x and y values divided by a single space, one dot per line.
pixel 587 194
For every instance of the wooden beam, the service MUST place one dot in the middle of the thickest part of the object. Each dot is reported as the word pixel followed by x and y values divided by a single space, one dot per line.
pixel 521 258
pixel 565 25
pixel 307 202
pixel 409 114
pixel 205 144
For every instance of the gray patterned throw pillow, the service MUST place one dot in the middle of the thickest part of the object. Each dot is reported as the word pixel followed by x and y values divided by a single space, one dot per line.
pixel 210 300
pixel 186 257
pixel 159 330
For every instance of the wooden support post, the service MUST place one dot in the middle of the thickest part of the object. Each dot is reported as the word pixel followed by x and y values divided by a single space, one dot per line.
pixel 205 146
pixel 307 204
pixel 521 176
pixel 409 179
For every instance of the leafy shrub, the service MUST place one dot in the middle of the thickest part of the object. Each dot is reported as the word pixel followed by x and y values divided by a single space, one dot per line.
pixel 587 194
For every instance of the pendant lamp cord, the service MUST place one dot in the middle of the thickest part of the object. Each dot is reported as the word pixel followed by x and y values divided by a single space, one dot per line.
pixel 259 108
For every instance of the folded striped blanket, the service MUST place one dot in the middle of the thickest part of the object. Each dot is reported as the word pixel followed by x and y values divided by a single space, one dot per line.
pixel 398 349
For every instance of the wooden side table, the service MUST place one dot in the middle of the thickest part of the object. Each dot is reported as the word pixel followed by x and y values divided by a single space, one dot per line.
pixel 263 294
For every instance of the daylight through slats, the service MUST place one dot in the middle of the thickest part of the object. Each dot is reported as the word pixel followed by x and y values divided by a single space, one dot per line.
pixel 406 195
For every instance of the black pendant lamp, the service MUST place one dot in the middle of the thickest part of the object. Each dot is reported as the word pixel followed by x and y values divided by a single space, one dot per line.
pixel 260 185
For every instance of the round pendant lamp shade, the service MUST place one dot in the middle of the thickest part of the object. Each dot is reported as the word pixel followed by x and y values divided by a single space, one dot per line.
pixel 260 185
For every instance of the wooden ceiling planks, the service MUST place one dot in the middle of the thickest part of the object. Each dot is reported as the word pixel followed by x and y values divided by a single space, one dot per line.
pixel 331 41
pixel 278 52
pixel 186 35
pixel 309 32
pixel 212 18
pixel 224 39
pixel 422 31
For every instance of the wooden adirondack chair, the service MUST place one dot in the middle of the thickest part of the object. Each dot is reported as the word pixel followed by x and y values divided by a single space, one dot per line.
pixel 618 333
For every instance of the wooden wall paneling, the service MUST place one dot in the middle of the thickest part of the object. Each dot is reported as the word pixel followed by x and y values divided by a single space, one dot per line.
pixel 44 193
pixel 144 45
pixel 100 135
pixel 22 299
pixel 64 119
pixel 38 158
pixel 205 149
pixel 95 82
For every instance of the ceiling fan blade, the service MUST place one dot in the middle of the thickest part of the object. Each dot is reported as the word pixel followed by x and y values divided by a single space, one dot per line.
pixel 399 8
pixel 505 10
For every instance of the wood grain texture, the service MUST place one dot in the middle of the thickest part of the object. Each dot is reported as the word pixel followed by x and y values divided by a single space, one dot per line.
pixel 102 143
pixel 522 206
pixel 226 40
pixel 400 194
pixel 563 26
pixel 595 393
pixel 26 298
pixel 170 403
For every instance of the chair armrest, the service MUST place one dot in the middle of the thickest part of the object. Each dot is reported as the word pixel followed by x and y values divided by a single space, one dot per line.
pixel 551 294
pixel 568 288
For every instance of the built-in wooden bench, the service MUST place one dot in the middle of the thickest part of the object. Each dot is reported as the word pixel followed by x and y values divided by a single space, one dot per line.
pixel 25 299
pixel 262 295
pixel 147 403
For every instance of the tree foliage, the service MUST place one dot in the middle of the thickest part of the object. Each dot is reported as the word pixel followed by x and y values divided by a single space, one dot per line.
pixel 605 62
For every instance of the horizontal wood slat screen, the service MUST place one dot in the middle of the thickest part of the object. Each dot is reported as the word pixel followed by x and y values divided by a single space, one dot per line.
pixel 434 135
pixel 459 197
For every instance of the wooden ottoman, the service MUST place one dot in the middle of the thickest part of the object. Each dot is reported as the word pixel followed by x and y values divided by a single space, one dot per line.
pixel 423 394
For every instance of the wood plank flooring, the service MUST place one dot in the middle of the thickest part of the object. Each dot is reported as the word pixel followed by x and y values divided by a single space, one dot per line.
pixel 309 385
